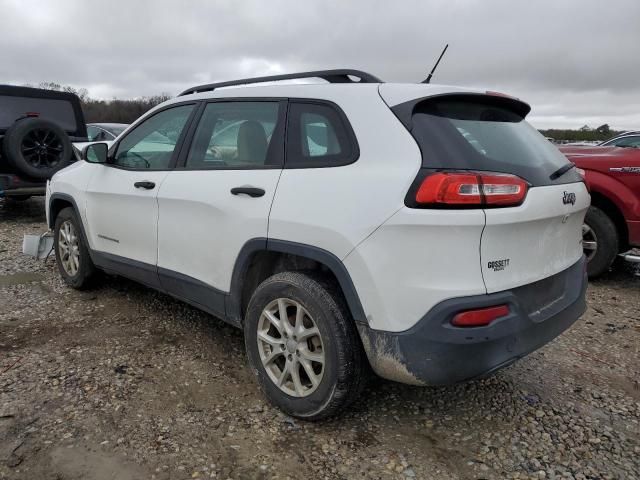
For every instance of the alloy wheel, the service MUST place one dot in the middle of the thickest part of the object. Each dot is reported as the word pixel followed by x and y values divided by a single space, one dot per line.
pixel 290 347
pixel 42 148
pixel 69 248
pixel 589 241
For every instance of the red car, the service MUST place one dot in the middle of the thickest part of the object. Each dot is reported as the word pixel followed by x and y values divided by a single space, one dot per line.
pixel 612 224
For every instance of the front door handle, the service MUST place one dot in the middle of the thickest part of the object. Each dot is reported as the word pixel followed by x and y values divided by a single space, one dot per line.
pixel 251 191
pixel 145 184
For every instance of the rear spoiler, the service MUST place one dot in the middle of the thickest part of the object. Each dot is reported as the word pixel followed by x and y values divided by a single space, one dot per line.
pixel 404 111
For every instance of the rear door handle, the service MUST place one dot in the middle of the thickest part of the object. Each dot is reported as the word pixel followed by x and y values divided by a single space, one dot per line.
pixel 251 191
pixel 145 184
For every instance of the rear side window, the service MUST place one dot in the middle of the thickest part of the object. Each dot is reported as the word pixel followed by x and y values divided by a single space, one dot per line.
pixel 237 135
pixel 57 111
pixel 485 134
pixel 318 136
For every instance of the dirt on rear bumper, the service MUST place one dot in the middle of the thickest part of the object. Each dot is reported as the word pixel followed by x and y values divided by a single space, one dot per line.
pixel 434 352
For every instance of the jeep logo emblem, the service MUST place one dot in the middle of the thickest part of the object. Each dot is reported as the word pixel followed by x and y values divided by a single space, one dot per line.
pixel 569 198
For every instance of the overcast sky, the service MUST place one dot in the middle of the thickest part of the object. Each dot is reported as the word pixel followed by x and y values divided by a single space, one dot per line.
pixel 575 61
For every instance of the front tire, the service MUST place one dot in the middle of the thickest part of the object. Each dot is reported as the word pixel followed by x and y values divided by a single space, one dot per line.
pixel 600 242
pixel 72 254
pixel 303 347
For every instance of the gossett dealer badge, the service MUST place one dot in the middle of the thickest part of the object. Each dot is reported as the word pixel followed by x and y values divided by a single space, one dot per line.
pixel 498 265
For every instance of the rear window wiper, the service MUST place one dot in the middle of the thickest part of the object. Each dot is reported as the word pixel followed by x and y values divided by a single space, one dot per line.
pixel 562 170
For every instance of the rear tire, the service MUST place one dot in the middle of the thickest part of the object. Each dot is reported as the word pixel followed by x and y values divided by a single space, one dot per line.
pixel 72 254
pixel 601 231
pixel 333 383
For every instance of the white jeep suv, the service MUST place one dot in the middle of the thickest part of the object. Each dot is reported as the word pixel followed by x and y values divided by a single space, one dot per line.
pixel 426 231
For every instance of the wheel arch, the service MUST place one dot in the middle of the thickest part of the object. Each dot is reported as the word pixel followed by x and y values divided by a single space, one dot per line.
pixel 260 258
pixel 615 214
pixel 58 202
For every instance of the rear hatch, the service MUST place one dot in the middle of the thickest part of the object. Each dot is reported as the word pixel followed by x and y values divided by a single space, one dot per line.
pixel 478 152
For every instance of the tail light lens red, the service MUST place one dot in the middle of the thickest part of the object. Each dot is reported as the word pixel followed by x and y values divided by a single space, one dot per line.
pixel 471 189
pixel 480 317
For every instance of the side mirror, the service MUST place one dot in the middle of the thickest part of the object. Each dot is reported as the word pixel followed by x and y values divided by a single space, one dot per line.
pixel 95 153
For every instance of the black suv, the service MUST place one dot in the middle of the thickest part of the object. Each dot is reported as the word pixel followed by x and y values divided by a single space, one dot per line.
pixel 36 130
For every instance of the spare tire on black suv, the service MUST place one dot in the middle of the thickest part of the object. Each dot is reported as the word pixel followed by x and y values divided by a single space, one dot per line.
pixel 36 148
pixel 36 130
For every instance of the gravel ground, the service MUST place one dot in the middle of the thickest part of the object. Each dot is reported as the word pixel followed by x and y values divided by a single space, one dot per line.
pixel 123 382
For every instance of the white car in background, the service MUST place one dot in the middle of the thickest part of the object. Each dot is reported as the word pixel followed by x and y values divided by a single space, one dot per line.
pixel 105 132
pixel 627 139
pixel 99 132
pixel 425 231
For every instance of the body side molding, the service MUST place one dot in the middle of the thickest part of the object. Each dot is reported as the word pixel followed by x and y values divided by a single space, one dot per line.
pixel 194 292
pixel 138 271
pixel 182 287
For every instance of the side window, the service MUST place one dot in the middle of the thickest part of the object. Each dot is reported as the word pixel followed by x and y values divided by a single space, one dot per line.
pixel 237 135
pixel 318 137
pixel 151 144
pixel 630 141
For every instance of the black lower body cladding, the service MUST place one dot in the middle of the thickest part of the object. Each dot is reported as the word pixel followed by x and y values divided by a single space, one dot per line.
pixel 434 352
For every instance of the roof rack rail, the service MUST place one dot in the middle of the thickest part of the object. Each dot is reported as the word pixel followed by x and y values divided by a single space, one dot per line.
pixel 331 76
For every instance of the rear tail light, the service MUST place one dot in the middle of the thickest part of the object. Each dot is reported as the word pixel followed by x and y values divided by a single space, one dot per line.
pixel 480 317
pixel 583 174
pixel 471 189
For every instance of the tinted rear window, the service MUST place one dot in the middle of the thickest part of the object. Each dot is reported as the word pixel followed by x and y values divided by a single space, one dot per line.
pixel 480 133
pixel 318 136
pixel 58 111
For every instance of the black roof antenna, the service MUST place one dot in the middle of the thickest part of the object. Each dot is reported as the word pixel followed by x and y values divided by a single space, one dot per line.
pixel 436 65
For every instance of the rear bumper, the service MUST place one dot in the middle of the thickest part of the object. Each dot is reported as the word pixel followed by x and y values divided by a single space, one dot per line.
pixel 12 185
pixel 433 352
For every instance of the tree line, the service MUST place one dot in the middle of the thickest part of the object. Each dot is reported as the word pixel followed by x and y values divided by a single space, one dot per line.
pixel 583 134
pixel 109 111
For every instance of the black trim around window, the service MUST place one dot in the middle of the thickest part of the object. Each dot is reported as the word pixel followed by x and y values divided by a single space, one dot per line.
pixel 283 130
pixel 176 151
pixel 346 136
pixel 276 152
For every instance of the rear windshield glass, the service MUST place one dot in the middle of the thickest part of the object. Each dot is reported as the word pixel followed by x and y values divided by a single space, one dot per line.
pixel 58 111
pixel 481 134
